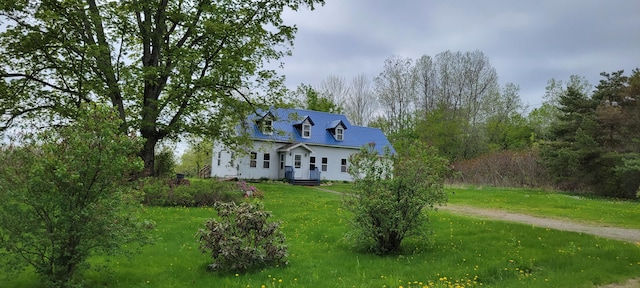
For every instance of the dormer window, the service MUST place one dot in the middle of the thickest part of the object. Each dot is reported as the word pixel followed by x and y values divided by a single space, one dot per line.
pixel 265 123
pixel 339 133
pixel 306 130
pixel 267 126
pixel 336 129
pixel 304 127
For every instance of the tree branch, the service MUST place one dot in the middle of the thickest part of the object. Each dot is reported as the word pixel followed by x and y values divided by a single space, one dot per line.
pixel 45 83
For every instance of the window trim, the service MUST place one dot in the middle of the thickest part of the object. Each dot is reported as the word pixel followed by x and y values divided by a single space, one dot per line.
pixel 297 163
pixel 267 126
pixel 325 164
pixel 281 161
pixel 343 165
pixel 253 160
pixel 306 130
pixel 312 163
pixel 266 160
pixel 339 133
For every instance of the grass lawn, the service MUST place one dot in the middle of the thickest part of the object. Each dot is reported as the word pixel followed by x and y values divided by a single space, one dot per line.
pixel 540 203
pixel 554 205
pixel 461 251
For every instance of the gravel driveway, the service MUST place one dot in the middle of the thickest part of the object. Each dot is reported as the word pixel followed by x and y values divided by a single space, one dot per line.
pixel 624 234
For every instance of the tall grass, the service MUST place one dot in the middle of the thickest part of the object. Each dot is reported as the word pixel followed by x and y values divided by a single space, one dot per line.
pixel 461 251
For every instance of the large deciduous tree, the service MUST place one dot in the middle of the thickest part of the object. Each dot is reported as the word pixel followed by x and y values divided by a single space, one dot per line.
pixel 360 104
pixel 396 91
pixel 312 100
pixel 167 67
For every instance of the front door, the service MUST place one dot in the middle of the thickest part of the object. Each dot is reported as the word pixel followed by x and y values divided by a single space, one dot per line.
pixel 297 165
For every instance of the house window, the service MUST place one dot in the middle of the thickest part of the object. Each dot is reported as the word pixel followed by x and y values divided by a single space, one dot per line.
pixel 297 161
pixel 339 133
pixel 233 158
pixel 252 159
pixel 281 161
pixel 343 165
pixel 265 160
pixel 325 161
pixel 219 157
pixel 306 130
pixel 312 163
pixel 267 126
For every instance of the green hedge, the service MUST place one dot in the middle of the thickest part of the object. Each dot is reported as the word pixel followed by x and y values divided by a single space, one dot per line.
pixel 185 193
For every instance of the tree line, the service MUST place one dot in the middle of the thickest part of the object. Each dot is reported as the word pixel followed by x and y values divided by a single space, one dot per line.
pixel 582 138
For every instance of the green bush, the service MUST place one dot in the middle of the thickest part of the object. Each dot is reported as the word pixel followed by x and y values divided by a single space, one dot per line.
pixel 392 194
pixel 164 164
pixel 242 239
pixel 163 192
pixel 64 200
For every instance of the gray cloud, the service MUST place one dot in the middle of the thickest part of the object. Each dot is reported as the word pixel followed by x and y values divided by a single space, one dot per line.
pixel 528 42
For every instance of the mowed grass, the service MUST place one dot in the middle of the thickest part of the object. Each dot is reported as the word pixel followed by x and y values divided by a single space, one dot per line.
pixel 574 207
pixel 461 251
pixel 578 208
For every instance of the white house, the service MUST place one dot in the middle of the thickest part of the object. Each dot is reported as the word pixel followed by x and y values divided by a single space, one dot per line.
pixel 301 146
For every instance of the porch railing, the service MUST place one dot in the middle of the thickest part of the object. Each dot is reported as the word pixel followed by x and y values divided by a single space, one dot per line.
pixel 289 173
pixel 314 174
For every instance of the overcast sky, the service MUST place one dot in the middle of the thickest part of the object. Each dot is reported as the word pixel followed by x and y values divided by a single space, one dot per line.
pixel 527 42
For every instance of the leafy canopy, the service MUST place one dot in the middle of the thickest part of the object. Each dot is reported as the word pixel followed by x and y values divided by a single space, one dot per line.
pixel 167 67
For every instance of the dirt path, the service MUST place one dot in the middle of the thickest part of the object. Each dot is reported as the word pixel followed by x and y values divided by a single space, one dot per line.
pixel 624 234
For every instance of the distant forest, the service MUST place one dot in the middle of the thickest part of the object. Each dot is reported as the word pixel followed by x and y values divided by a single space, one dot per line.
pixel 582 138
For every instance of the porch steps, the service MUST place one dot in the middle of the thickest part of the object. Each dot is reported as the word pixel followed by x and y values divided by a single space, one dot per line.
pixel 305 182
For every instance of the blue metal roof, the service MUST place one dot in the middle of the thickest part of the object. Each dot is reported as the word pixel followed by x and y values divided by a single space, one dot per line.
pixel 321 133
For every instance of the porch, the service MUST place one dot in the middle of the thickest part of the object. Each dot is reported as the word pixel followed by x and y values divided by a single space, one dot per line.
pixel 312 180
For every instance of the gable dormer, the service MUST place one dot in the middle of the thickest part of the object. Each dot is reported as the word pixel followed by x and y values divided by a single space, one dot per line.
pixel 336 129
pixel 265 123
pixel 304 127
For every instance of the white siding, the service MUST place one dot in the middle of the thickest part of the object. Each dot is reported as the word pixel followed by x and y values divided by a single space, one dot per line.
pixel 261 148
pixel 334 156
pixel 222 165
pixel 243 170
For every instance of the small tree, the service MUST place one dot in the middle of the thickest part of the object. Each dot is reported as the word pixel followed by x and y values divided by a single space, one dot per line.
pixel 392 192
pixel 242 238
pixel 63 197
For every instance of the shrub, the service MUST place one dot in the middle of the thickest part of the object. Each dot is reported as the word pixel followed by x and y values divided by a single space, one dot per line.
pixel 249 191
pixel 63 197
pixel 159 192
pixel 392 193
pixel 164 163
pixel 242 239
pixel 505 169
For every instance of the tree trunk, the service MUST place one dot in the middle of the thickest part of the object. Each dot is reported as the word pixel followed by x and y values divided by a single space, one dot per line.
pixel 148 155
